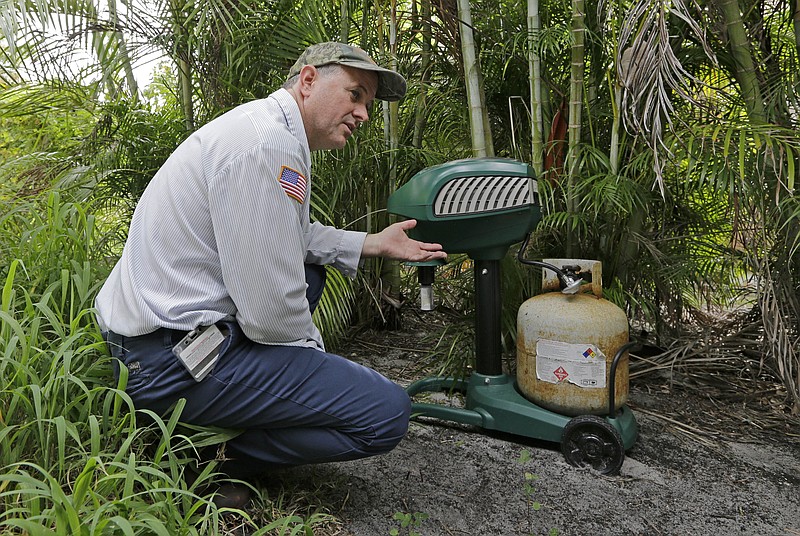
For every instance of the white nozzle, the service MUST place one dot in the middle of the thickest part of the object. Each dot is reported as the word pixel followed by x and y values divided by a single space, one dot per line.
pixel 426 297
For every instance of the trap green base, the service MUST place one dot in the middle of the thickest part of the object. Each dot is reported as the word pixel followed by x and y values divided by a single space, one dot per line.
pixel 494 403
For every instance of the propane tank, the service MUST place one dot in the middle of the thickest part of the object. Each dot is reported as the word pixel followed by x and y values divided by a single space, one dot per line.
pixel 567 342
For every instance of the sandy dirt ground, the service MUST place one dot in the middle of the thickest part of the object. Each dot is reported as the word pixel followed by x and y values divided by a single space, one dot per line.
pixel 698 467
pixel 469 483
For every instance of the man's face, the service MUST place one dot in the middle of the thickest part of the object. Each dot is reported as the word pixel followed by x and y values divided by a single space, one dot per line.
pixel 336 103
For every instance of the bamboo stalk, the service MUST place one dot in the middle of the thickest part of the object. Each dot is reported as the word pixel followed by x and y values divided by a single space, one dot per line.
pixel 577 65
pixel 796 22
pixel 478 117
pixel 535 69
pixel 421 112
pixel 745 68
pixel 344 24
pixel 182 55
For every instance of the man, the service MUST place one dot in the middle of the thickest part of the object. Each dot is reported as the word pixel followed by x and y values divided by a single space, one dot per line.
pixel 212 297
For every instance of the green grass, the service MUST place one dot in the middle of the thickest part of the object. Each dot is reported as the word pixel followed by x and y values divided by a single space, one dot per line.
pixel 74 456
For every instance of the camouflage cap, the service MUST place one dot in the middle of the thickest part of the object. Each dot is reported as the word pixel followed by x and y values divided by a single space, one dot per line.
pixel 391 85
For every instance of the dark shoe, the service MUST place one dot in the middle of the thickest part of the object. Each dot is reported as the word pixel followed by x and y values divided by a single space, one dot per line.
pixel 226 495
pixel 231 495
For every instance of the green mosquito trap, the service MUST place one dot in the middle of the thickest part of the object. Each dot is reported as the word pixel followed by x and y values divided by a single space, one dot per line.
pixel 571 380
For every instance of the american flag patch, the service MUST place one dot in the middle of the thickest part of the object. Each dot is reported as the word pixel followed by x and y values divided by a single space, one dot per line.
pixel 293 184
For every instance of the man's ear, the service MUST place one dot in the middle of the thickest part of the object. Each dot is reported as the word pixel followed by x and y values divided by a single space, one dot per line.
pixel 308 74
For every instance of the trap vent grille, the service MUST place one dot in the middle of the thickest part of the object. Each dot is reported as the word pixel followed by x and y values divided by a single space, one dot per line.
pixel 473 195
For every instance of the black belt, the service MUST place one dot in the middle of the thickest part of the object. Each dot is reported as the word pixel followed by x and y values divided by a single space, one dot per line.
pixel 175 335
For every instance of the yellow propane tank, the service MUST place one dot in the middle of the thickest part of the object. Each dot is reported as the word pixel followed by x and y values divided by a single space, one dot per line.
pixel 566 344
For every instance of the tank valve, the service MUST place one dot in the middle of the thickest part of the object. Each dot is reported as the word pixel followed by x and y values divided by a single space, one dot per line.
pixel 425 273
pixel 568 276
pixel 570 280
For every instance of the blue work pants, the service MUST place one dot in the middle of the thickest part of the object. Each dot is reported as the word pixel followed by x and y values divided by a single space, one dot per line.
pixel 296 405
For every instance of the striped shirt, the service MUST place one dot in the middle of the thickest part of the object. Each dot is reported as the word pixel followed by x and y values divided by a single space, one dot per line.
pixel 223 230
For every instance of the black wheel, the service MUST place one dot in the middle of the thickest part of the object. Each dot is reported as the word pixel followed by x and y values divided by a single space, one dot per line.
pixel 590 441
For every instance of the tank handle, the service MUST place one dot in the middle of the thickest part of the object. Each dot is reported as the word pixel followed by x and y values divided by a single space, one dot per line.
pixel 569 283
pixel 612 380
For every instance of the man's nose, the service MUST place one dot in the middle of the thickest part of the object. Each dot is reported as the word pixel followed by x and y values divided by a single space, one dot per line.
pixel 361 113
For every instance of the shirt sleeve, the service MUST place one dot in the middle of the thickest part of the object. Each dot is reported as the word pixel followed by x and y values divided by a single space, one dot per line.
pixel 261 243
pixel 339 248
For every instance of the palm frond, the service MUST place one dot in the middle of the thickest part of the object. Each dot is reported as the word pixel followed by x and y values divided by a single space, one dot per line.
pixel 650 73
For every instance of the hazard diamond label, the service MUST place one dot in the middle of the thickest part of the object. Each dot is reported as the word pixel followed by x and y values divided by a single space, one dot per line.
pixel 561 373
pixel 582 365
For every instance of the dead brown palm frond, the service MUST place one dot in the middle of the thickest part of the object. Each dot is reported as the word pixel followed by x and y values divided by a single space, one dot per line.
pixel 778 302
pixel 650 73
pixel 713 340
pixel 742 393
pixel 709 420
pixel 726 357
pixel 706 436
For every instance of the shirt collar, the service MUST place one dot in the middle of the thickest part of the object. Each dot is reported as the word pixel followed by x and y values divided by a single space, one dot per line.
pixel 291 112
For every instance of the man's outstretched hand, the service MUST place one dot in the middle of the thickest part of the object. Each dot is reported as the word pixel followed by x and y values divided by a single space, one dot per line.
pixel 394 243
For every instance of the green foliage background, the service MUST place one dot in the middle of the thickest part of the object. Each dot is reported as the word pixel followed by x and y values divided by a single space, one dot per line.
pixel 686 192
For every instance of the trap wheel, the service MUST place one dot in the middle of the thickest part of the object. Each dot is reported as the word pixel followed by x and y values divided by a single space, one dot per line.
pixel 590 441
